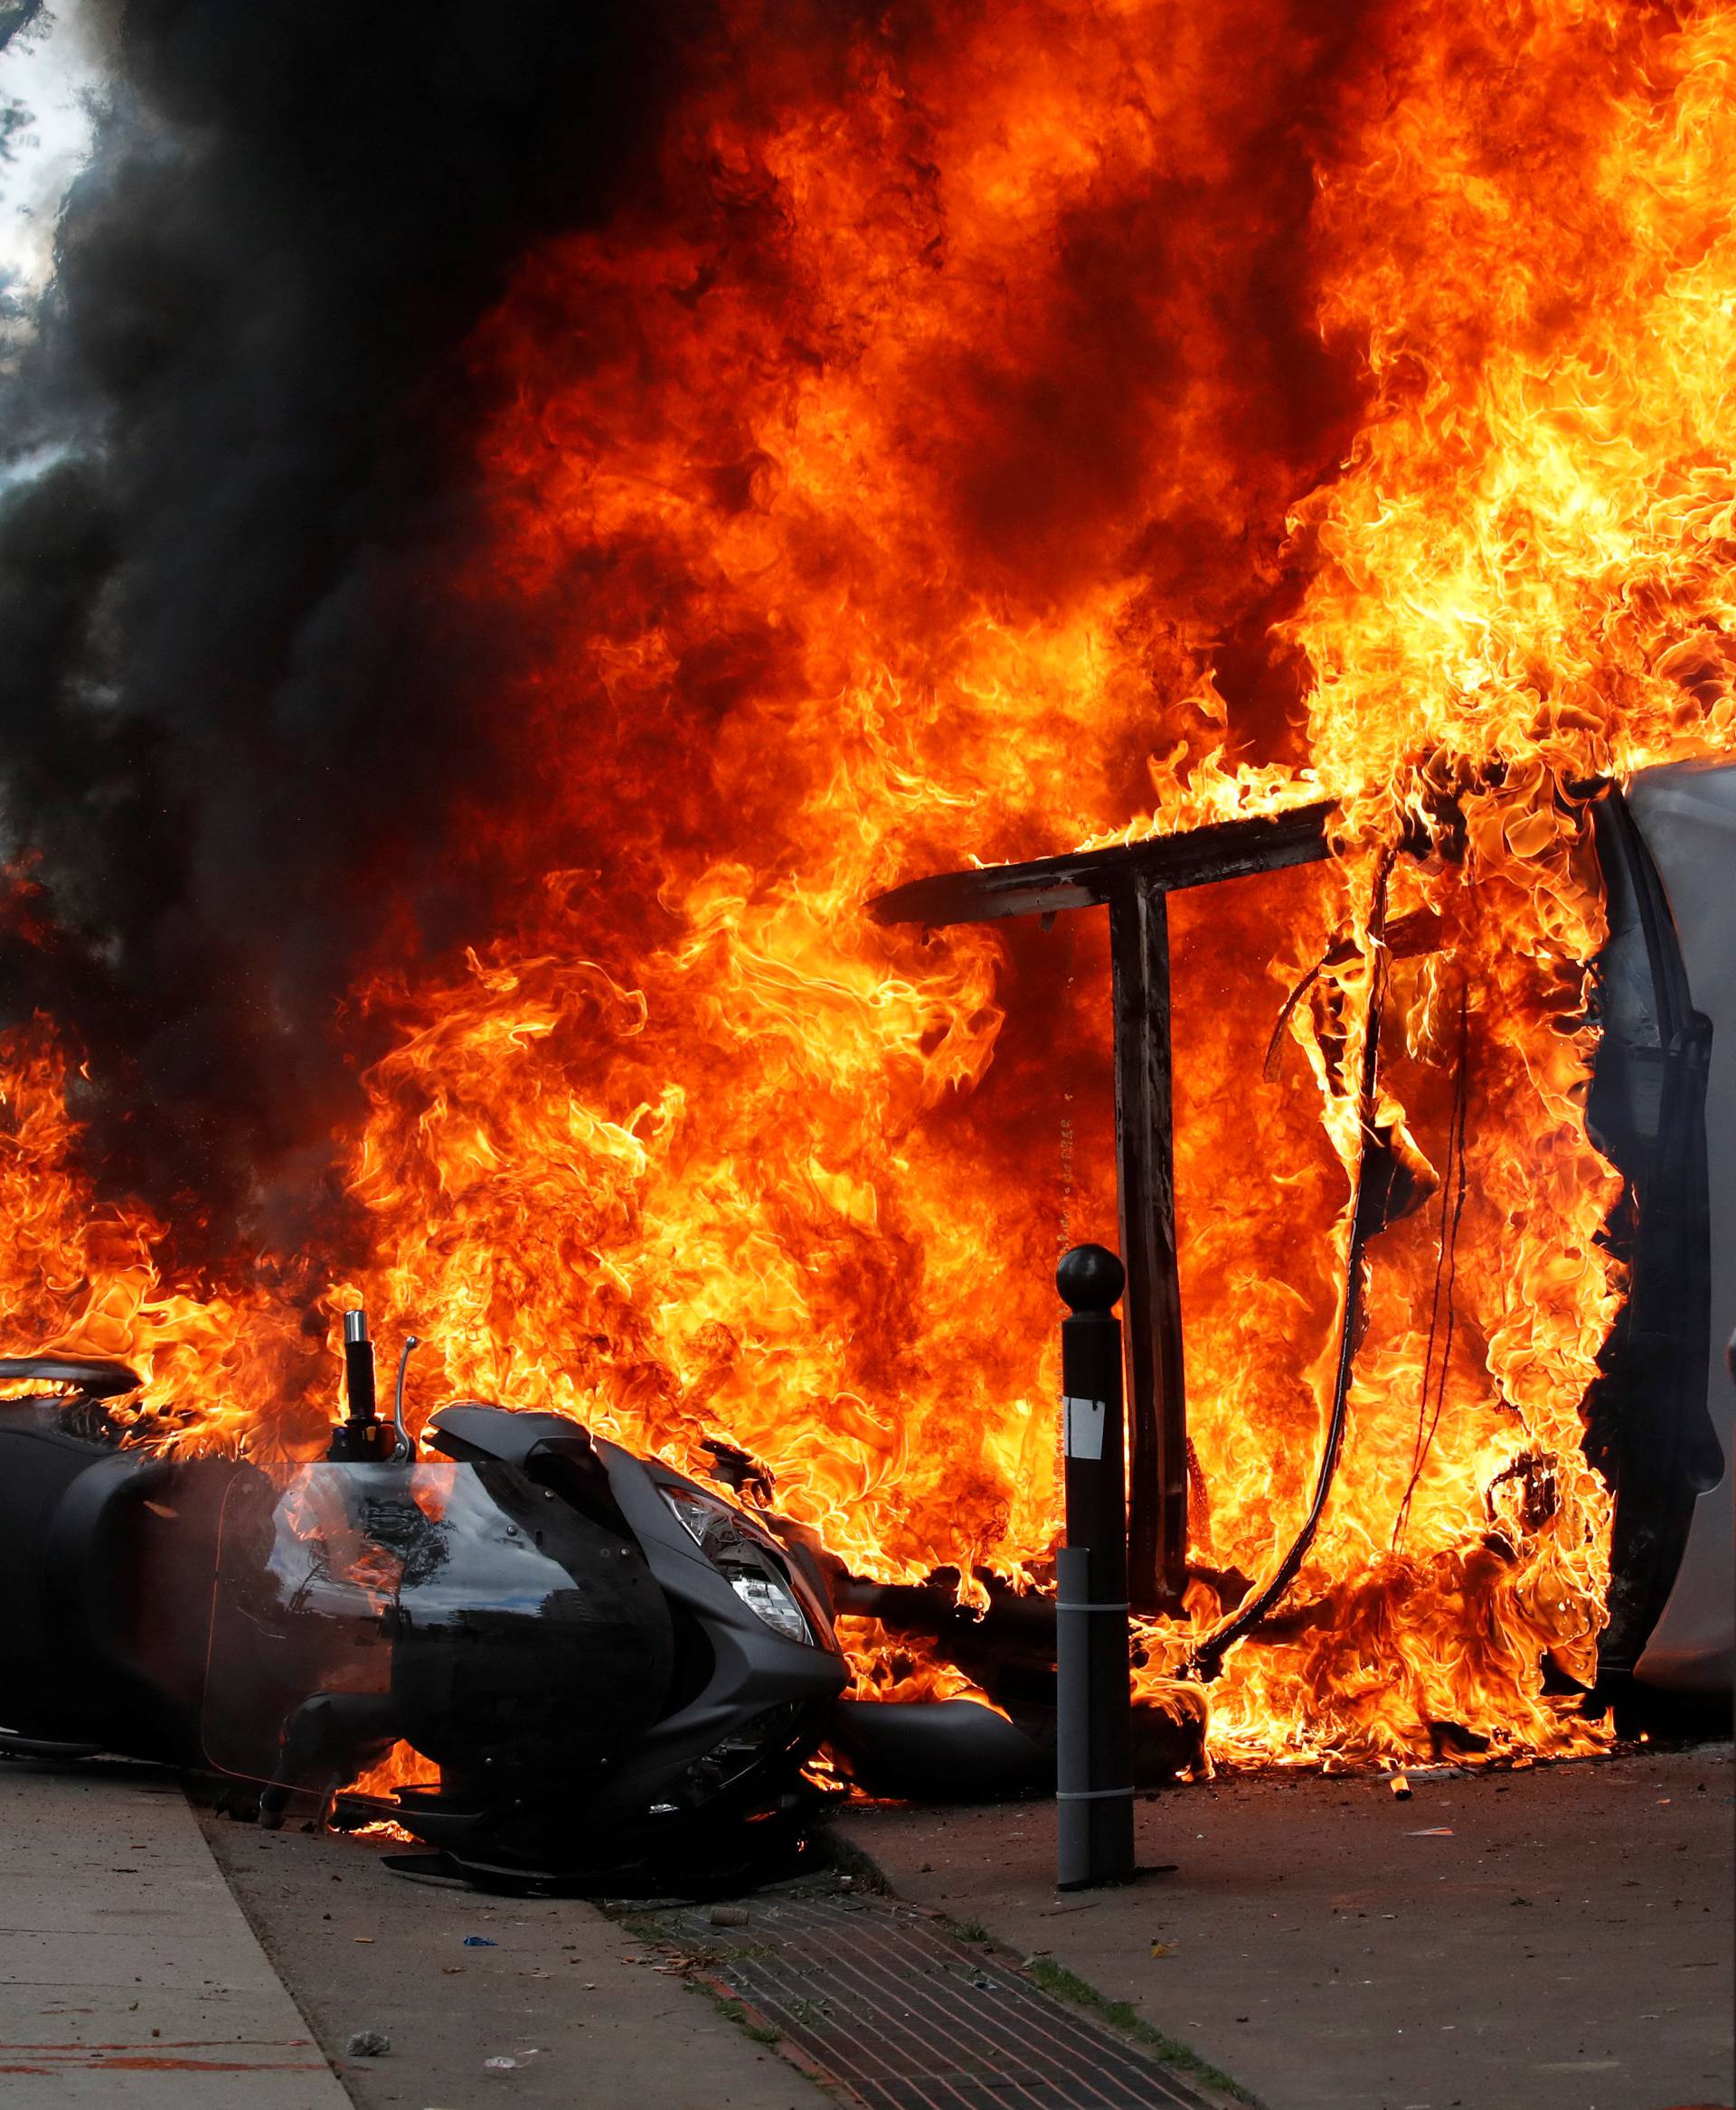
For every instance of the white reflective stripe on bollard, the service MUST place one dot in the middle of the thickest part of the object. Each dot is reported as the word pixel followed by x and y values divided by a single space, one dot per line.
pixel 1085 1419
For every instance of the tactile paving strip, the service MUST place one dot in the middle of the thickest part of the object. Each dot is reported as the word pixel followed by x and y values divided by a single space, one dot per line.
pixel 874 1993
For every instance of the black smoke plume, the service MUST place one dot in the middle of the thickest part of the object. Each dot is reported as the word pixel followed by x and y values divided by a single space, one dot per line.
pixel 235 699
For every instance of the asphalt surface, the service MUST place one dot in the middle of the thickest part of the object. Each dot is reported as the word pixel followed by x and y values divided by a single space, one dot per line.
pixel 1556 1939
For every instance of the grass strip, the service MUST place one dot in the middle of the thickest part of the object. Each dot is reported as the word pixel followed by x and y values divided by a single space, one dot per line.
pixel 1121 2014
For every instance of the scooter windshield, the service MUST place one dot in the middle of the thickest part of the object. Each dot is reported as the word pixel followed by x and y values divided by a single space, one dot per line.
pixel 311 1560
pixel 456 1608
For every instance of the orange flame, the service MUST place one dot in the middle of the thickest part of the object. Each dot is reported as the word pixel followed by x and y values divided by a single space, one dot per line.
pixel 985 433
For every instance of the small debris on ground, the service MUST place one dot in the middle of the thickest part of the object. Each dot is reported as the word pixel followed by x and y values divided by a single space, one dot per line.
pixel 729 1916
pixel 1400 1787
pixel 368 2044
pixel 480 1942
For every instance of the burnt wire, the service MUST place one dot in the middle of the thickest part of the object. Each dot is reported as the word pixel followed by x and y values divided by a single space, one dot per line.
pixel 1208 1658
pixel 1440 1334
pixel 1275 1046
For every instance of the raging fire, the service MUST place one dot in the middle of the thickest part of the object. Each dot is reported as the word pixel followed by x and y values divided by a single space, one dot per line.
pixel 1005 427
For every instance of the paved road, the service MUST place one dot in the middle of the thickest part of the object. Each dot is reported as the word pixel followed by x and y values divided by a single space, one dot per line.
pixel 1549 1940
pixel 1553 1940
pixel 128 1976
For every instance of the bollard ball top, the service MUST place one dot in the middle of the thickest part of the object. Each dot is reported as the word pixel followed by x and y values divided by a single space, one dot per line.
pixel 1091 1278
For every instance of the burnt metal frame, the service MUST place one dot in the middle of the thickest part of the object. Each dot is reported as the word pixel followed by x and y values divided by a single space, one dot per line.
pixel 1134 880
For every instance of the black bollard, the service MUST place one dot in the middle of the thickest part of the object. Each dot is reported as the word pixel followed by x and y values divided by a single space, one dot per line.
pixel 1093 1762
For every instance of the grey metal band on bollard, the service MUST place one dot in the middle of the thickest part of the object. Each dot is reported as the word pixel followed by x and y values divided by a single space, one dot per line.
pixel 1094 1793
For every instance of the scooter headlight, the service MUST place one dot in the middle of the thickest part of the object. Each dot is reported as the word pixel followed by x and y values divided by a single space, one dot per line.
pixel 774 1602
pixel 750 1570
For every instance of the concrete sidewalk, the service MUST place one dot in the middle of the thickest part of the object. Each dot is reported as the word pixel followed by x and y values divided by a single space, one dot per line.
pixel 587 2015
pixel 132 1976
pixel 1556 1939
pixel 128 1976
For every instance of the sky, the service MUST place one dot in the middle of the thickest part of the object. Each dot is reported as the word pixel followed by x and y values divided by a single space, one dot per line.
pixel 52 69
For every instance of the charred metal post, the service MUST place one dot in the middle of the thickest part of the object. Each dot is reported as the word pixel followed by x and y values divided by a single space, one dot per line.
pixel 1145 1149
pixel 1135 880
pixel 1093 1743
